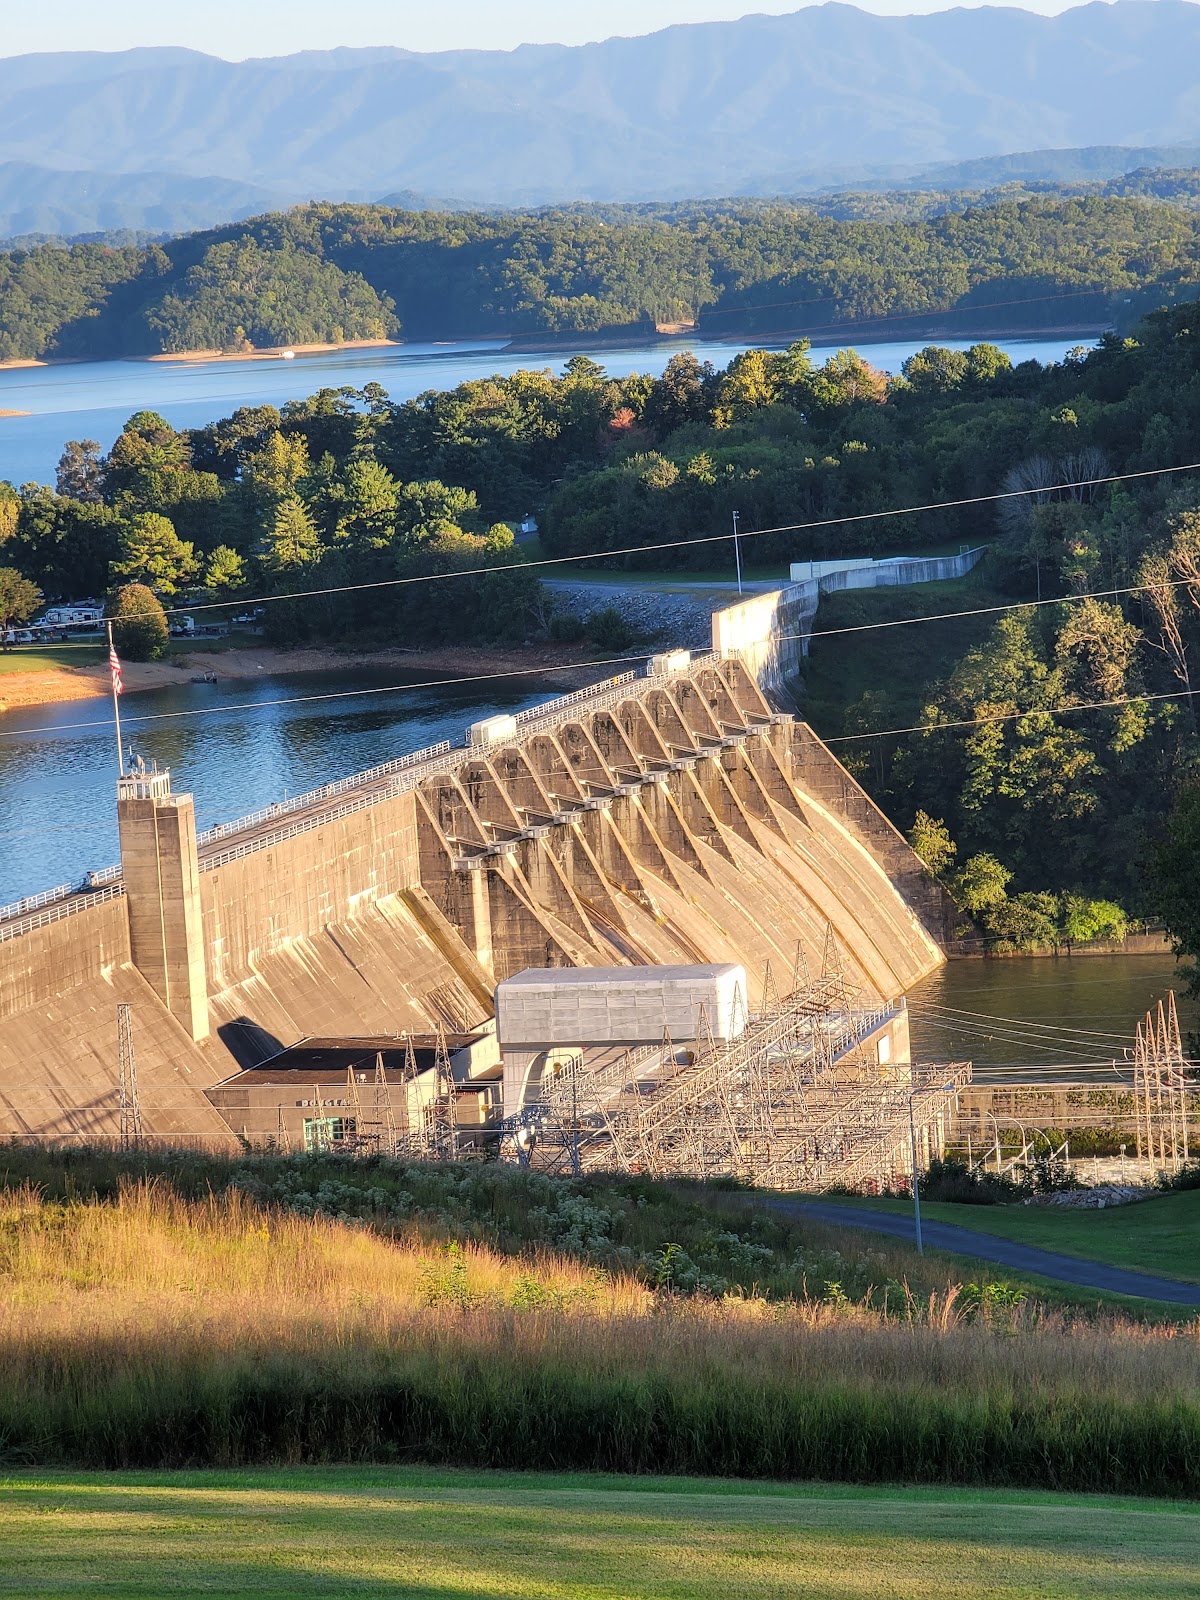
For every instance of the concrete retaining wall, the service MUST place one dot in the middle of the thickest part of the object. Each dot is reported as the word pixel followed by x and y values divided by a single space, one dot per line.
pixel 889 572
pixel 256 904
pixel 38 968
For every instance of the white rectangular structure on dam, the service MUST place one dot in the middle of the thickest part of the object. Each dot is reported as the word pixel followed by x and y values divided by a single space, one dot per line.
pixel 561 1007
pixel 550 1012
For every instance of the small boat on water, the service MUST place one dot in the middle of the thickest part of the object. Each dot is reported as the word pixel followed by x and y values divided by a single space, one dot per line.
pixel 204 677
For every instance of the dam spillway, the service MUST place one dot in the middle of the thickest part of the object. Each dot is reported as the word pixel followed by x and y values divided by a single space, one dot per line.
pixel 669 817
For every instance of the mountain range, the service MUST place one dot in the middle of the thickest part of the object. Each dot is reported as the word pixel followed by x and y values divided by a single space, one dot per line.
pixel 826 96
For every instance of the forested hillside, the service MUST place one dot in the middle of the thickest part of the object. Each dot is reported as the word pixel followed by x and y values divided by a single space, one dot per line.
pixel 326 273
pixel 1052 738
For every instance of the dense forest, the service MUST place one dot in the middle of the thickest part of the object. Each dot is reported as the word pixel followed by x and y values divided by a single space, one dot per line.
pixel 326 273
pixel 1047 811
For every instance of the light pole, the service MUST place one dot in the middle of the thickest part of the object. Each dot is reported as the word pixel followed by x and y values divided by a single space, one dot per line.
pixel 941 1088
pixel 737 550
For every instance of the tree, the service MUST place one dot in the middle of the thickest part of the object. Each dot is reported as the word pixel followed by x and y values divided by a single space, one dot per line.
pixel 981 884
pixel 1175 880
pixel 930 838
pixel 153 553
pixel 224 571
pixel 139 623
pixel 80 473
pixel 19 599
pixel 293 541
pixel 1102 647
pixel 1026 922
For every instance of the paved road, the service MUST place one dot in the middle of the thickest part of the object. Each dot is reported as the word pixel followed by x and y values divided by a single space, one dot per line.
pixel 1006 1252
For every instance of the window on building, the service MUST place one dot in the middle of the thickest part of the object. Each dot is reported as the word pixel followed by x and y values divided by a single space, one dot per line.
pixel 322 1132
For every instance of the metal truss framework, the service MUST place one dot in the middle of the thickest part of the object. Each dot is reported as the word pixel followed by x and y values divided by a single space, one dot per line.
pixel 1161 1089
pixel 796 1101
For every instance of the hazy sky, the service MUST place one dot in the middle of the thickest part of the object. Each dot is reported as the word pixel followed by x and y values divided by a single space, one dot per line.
pixel 239 28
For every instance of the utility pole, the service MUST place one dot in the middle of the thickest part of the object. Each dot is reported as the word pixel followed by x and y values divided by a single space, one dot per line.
pixel 737 550
pixel 129 1106
pixel 916 1182
pixel 384 1116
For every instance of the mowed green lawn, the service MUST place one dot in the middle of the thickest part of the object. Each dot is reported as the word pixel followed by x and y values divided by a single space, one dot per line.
pixel 45 657
pixel 358 1532
pixel 1160 1236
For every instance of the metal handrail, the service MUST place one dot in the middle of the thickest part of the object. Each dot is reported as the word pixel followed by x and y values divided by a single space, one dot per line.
pixel 327 791
pixel 597 694
pixel 55 913
pixel 32 902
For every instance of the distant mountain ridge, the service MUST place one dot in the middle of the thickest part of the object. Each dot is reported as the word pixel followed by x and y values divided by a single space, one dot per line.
pixel 826 97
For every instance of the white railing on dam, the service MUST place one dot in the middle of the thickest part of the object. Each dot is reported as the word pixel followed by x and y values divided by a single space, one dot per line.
pixel 34 902
pixel 327 791
pixel 80 900
pixel 389 779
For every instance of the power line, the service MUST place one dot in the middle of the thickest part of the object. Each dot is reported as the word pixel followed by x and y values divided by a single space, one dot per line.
pixel 987 611
pixel 991 1016
pixel 689 543
pixel 309 699
pixel 1017 716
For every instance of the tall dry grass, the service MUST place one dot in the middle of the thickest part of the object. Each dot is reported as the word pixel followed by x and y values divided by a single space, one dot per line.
pixel 156 1331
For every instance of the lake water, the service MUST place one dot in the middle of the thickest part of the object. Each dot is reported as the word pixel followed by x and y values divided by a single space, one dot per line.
pixel 92 400
pixel 58 762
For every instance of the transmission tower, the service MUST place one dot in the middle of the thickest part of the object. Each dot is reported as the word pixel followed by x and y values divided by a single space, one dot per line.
pixel 384 1118
pixel 129 1105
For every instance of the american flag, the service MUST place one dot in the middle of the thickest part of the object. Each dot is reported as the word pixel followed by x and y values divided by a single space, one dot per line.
pixel 114 666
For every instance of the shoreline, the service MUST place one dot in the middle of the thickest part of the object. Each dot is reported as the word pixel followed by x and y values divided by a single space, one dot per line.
pixel 819 338
pixel 551 344
pixel 270 353
pixel 60 685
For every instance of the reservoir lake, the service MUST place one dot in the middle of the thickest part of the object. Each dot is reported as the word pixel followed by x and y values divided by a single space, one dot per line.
pixel 93 400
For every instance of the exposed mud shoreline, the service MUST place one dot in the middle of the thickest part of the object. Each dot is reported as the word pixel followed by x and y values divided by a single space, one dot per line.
pixel 561 666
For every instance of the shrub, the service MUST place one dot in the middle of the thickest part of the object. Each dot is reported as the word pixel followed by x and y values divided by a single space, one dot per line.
pixel 1026 922
pixel 139 623
pixel 609 630
pixel 947 1179
pixel 566 627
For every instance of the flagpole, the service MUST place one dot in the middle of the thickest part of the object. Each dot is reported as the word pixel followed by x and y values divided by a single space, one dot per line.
pixel 116 706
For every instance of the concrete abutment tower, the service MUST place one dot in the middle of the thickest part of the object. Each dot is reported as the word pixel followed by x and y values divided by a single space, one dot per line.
pixel 162 890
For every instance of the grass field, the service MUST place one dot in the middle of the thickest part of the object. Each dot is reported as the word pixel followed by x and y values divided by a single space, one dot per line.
pixel 355 1532
pixel 46 657
pixel 1159 1236
pixel 305 1312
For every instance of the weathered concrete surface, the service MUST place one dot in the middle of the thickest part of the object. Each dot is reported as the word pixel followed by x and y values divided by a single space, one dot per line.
pixel 59 1066
pixel 162 895
pixel 259 902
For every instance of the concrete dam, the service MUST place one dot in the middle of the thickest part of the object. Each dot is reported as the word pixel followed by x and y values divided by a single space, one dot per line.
pixel 672 817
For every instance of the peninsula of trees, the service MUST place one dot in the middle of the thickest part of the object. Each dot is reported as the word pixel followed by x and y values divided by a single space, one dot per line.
pixel 884 266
